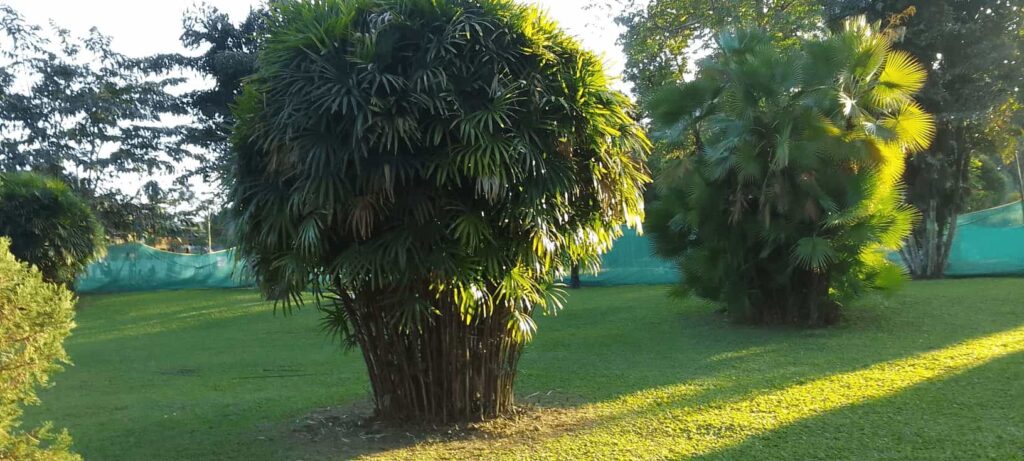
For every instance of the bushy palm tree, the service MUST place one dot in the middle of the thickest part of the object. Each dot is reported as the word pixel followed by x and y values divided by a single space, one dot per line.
pixel 428 167
pixel 792 198
pixel 49 226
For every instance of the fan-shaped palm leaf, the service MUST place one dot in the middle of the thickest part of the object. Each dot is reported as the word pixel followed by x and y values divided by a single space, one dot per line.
pixel 901 77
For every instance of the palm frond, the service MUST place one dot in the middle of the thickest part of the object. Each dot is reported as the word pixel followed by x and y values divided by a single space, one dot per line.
pixel 813 253
pixel 914 128
pixel 901 77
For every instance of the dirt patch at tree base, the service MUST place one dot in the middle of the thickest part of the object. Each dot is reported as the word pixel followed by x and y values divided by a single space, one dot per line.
pixel 348 432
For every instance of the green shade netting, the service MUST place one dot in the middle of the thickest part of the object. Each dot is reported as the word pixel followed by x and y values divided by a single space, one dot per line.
pixel 988 242
pixel 136 267
pixel 632 262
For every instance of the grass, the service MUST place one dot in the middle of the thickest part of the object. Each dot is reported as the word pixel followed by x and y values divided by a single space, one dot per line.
pixel 934 372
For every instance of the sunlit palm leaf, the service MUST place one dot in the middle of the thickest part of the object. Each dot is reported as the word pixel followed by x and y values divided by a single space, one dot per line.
pixel 914 127
pixel 901 77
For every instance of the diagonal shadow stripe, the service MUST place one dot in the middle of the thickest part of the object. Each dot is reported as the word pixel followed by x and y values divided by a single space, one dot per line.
pixel 670 432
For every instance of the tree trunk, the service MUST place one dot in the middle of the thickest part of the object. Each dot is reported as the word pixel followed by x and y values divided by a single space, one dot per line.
pixel 574 276
pixel 926 251
pixel 911 255
pixel 446 370
pixel 820 310
pixel 1020 174
pixel 926 258
pixel 209 233
pixel 805 303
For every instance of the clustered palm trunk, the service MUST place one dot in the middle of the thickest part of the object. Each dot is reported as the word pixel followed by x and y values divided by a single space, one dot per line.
pixel 446 370
pixel 429 169
pixel 805 300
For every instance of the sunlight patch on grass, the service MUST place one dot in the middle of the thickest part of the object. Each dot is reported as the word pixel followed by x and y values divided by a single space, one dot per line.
pixel 664 423
pixel 166 323
pixel 733 355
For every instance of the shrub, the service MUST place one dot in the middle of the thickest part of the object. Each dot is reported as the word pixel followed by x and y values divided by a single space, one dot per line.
pixel 431 166
pixel 790 201
pixel 49 226
pixel 35 317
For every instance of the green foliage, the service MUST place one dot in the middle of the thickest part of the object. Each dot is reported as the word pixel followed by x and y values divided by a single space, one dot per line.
pixel 1007 133
pixel 36 317
pixel 228 56
pixel 992 183
pixel 50 227
pixel 662 37
pixel 974 51
pixel 793 198
pixel 395 158
pixel 84 106
pixel 433 165
pixel 75 109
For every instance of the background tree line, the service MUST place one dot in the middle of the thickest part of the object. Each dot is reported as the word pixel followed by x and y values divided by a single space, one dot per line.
pixel 972 50
pixel 75 108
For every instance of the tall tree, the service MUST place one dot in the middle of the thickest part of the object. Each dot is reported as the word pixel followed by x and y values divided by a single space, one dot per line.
pixel 432 165
pixel 73 108
pixel 228 56
pixel 663 37
pixel 973 50
pixel 1007 133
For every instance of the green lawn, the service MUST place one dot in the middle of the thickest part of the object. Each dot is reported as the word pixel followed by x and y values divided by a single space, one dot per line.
pixel 934 372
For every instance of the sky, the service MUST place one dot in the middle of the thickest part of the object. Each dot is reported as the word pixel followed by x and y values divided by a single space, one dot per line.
pixel 146 27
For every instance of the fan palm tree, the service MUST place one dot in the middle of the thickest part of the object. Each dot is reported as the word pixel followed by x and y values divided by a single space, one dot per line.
pixel 428 168
pixel 790 197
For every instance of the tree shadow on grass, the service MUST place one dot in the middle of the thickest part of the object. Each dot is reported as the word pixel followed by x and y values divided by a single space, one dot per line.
pixel 193 317
pixel 978 414
pixel 615 356
pixel 674 426
pixel 205 369
pixel 686 358
pixel 604 347
pixel 349 432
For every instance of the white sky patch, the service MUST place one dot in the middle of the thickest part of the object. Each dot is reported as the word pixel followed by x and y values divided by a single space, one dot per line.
pixel 147 27
pixel 144 27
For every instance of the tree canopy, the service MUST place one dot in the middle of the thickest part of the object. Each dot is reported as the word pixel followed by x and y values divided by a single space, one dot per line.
pixel 228 56
pixel 434 166
pixel 73 108
pixel 974 50
pixel 791 199
pixel 51 227
pixel 663 37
